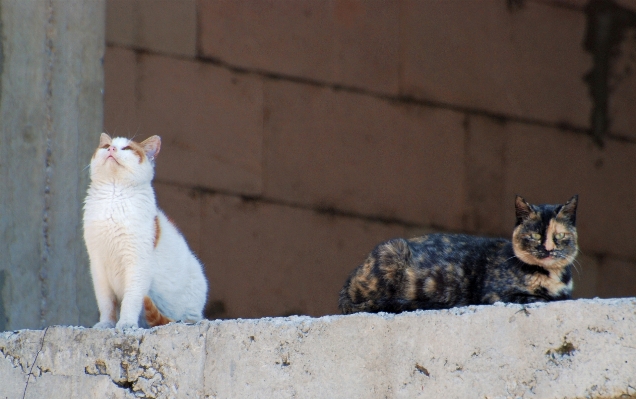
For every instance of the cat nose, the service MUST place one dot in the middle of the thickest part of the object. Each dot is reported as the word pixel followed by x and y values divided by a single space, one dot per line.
pixel 112 148
pixel 549 246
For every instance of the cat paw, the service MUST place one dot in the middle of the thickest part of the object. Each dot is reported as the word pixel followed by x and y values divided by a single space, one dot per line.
pixel 122 325
pixel 104 325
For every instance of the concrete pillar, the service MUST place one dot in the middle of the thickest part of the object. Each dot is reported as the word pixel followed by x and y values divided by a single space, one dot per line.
pixel 51 111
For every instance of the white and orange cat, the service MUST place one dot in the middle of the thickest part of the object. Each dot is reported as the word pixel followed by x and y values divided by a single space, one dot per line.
pixel 138 258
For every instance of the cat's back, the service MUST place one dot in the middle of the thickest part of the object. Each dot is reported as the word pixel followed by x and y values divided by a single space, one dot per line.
pixel 450 248
pixel 433 271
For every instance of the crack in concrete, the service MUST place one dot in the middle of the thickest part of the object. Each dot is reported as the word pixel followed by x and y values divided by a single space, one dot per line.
pixel 26 385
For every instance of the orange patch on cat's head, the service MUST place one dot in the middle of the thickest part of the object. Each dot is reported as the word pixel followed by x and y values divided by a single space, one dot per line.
pixel 138 150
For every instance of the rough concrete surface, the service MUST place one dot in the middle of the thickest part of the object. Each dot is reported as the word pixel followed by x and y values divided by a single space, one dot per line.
pixel 571 349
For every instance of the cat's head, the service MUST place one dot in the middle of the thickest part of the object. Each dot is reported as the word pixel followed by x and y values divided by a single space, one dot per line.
pixel 122 160
pixel 545 235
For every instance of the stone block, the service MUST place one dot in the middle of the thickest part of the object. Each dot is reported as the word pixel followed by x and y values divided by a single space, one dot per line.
pixel 168 26
pixel 71 362
pixel 561 350
pixel 121 22
pixel 267 259
pixel 334 149
pixel 350 43
pixel 485 55
pixel 120 93
pixel 486 198
pixel 210 120
pixel 164 26
pixel 622 111
pixel 569 349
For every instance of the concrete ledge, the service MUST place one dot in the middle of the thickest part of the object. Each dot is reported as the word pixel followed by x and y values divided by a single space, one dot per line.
pixel 572 349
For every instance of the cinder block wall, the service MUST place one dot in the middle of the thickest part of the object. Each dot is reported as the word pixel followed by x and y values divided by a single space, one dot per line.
pixel 297 135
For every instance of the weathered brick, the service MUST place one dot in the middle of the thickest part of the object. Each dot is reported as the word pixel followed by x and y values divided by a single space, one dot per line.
pixel 168 26
pixel 183 207
pixel 268 260
pixel 120 80
pixel 165 26
pixel 485 55
pixel 617 278
pixel 121 22
pixel 486 197
pixel 210 121
pixel 547 165
pixel 622 97
pixel 348 42
pixel 335 149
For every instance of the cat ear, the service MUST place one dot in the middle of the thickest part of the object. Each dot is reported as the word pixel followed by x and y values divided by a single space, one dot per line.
pixel 568 210
pixel 151 146
pixel 104 139
pixel 522 208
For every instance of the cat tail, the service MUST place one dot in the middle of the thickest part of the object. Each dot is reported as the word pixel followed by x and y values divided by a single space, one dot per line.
pixel 153 315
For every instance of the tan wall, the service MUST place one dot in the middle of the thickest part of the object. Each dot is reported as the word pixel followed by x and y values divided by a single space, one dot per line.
pixel 297 135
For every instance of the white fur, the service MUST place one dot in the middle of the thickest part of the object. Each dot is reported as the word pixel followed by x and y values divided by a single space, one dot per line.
pixel 119 230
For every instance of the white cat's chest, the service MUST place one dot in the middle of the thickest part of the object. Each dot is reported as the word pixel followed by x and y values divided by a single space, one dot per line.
pixel 116 218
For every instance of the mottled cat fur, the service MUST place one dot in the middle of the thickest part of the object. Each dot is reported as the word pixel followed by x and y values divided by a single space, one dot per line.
pixel 439 271
pixel 138 258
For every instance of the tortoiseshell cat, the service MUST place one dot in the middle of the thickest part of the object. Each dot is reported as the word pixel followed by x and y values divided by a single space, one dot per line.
pixel 439 271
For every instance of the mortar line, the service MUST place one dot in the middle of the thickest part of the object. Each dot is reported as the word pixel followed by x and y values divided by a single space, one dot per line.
pixel 352 215
pixel 399 98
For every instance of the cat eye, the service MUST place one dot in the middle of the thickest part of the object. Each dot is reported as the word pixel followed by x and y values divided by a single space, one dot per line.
pixel 105 146
pixel 127 148
pixel 559 236
pixel 536 236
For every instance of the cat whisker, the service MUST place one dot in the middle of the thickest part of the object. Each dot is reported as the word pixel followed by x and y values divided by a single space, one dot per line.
pixel 137 131
pixel 575 268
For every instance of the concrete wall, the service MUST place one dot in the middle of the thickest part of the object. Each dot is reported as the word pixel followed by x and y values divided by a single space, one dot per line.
pixel 573 349
pixel 297 135
pixel 51 108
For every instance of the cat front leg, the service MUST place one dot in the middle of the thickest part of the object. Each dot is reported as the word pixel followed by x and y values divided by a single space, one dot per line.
pixel 137 286
pixel 106 299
